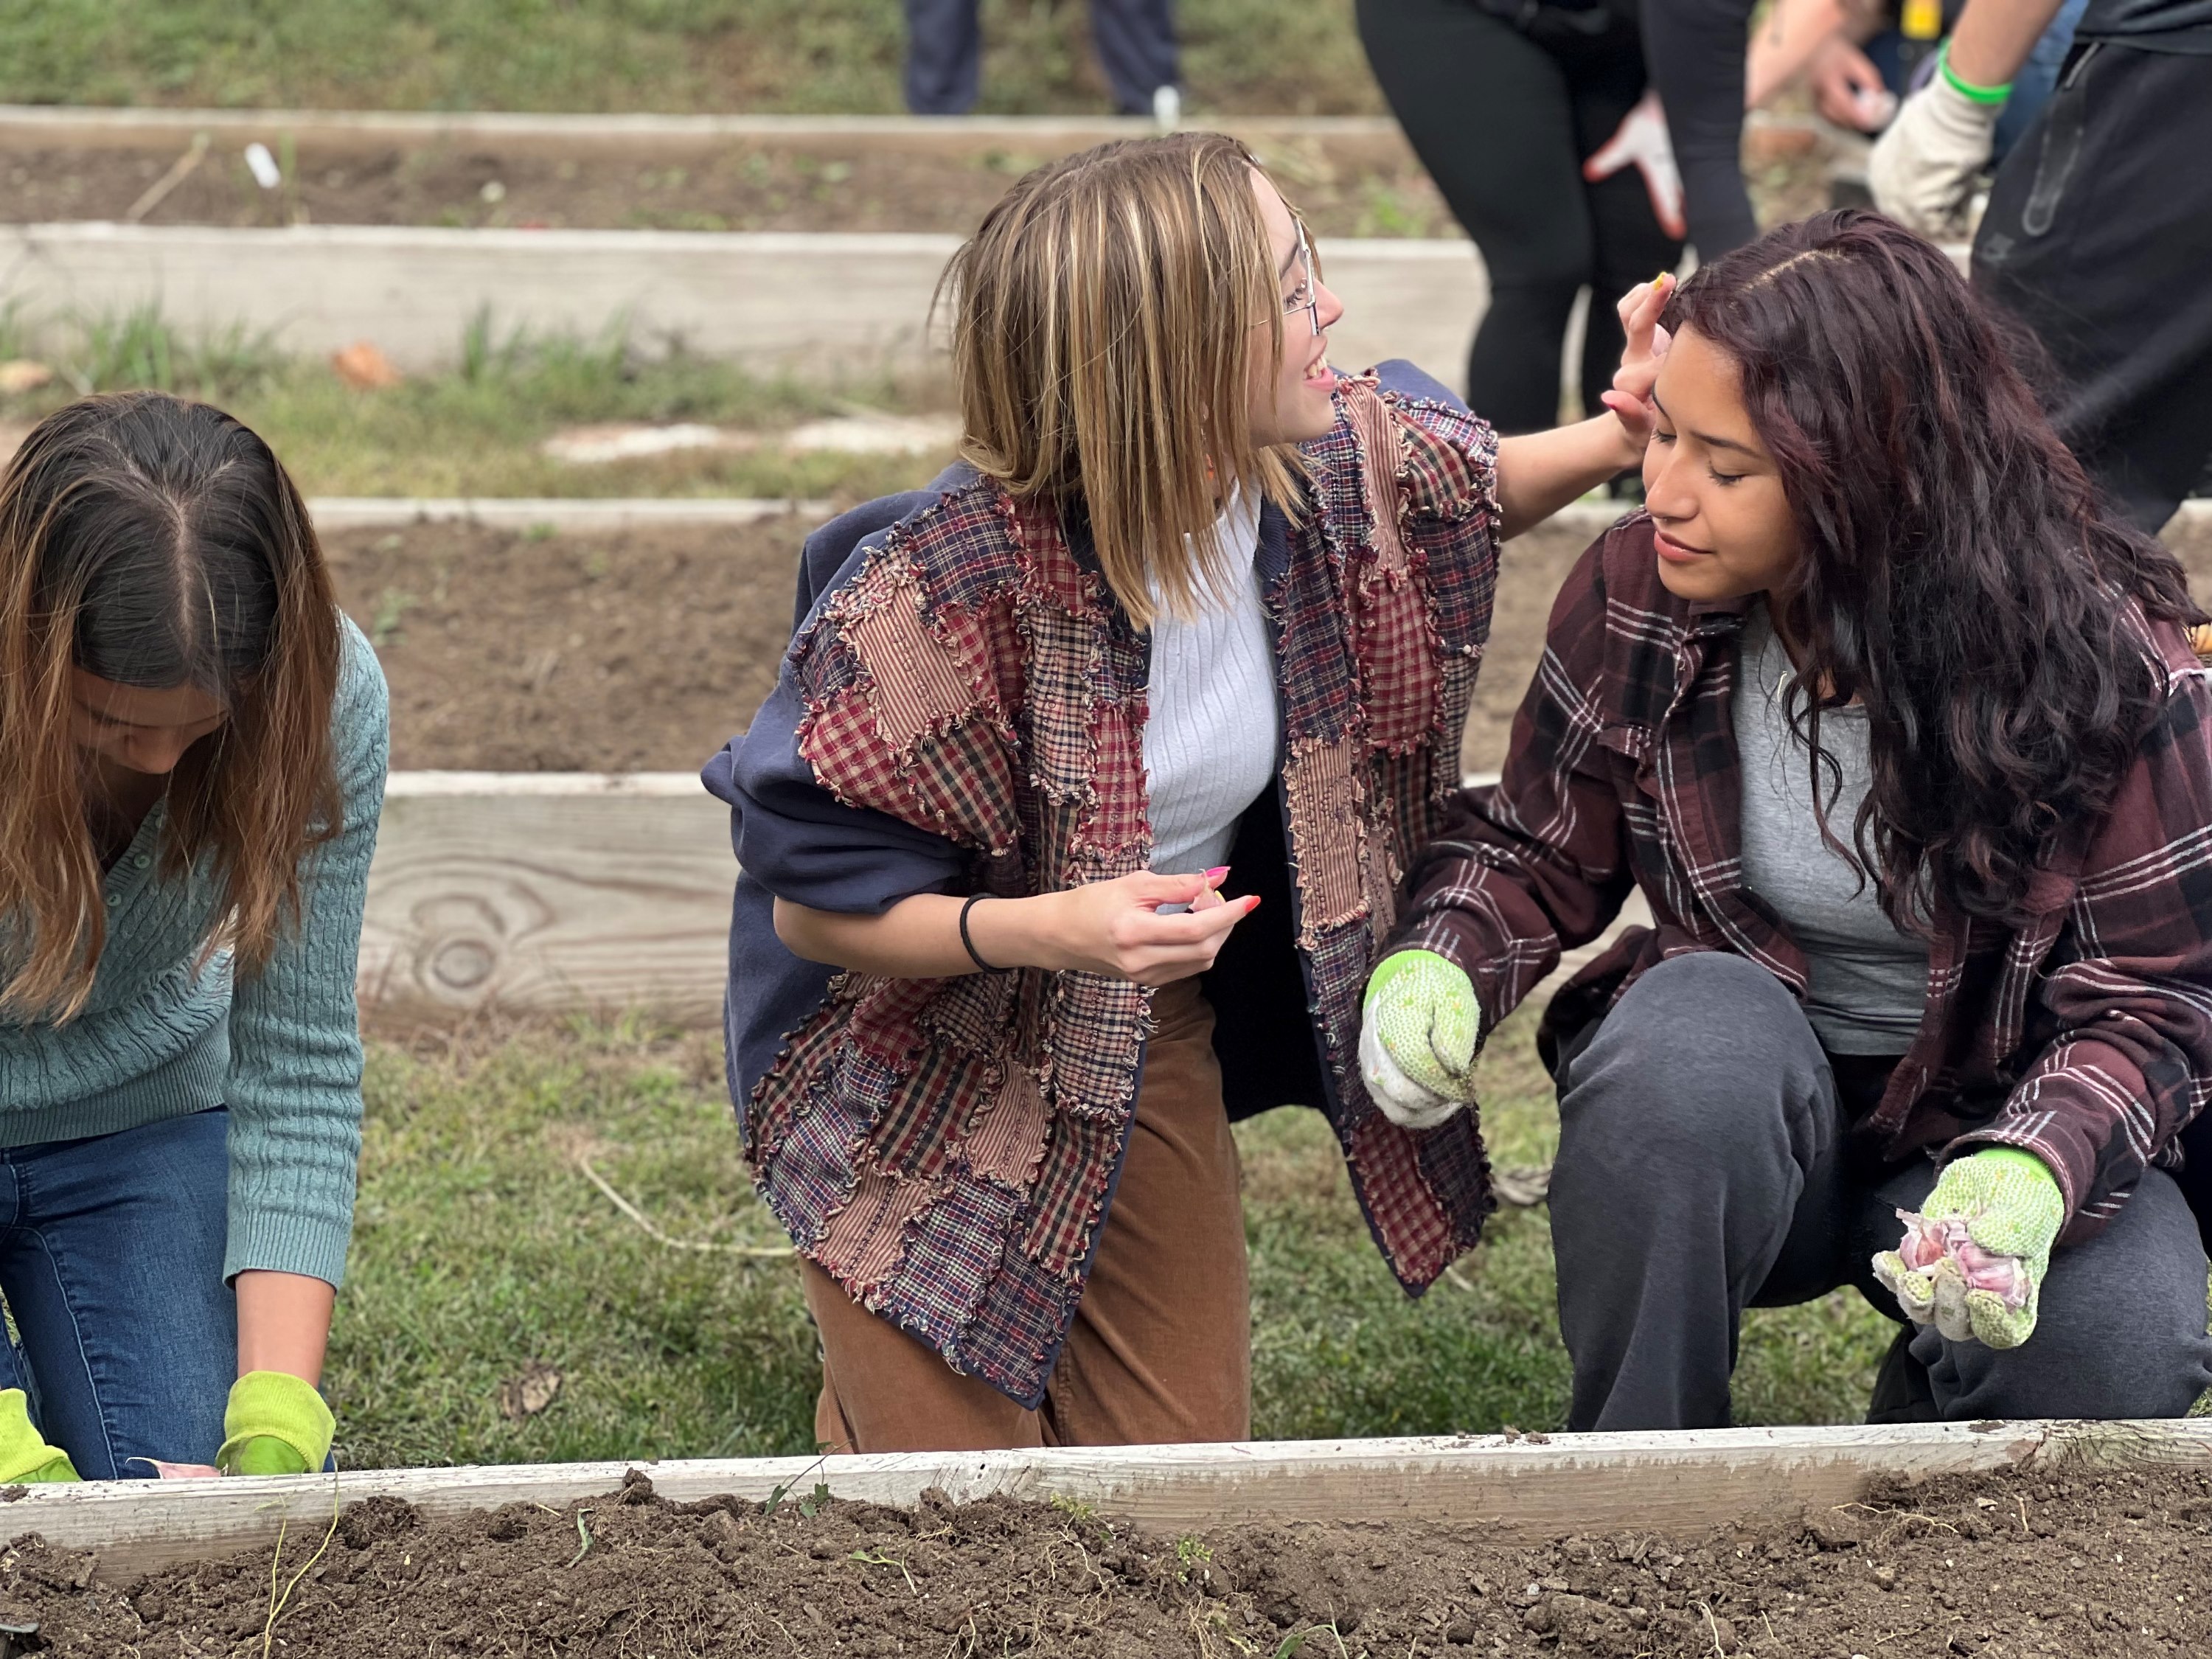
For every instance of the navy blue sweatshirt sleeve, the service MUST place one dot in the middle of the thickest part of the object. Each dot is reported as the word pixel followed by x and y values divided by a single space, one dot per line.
pixel 801 842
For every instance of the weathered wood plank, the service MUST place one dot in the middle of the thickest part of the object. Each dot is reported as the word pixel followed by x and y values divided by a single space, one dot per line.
pixel 1519 1490
pixel 555 893
pixel 547 893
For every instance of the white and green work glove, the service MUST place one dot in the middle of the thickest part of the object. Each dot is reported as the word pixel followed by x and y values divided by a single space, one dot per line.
pixel 1922 170
pixel 276 1424
pixel 1971 1262
pixel 25 1458
pixel 1416 1038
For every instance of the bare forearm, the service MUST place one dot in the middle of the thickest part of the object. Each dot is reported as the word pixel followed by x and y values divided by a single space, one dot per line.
pixel 1114 927
pixel 1993 37
pixel 1539 472
pixel 283 1323
pixel 918 938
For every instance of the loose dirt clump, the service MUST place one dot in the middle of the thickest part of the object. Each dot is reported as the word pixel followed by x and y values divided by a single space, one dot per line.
pixel 2024 1563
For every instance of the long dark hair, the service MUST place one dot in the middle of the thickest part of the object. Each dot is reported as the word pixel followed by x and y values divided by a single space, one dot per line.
pixel 1960 577
pixel 159 543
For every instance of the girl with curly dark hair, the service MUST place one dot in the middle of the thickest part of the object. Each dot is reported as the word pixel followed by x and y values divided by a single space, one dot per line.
pixel 1898 731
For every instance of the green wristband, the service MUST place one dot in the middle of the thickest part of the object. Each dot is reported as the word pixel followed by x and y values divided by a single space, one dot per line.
pixel 1967 89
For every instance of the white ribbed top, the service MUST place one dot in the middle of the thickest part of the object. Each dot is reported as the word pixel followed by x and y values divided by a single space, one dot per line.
pixel 1214 729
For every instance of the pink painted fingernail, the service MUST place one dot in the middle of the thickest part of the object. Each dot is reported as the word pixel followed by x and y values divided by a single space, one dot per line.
pixel 1213 876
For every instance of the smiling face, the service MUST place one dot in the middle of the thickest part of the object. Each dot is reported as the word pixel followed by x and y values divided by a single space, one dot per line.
pixel 1724 526
pixel 132 729
pixel 1292 400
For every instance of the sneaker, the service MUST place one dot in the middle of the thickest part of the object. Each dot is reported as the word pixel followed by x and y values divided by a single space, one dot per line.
pixel 1167 108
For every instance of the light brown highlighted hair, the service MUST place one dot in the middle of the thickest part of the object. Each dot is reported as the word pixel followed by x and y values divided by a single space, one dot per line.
pixel 158 544
pixel 1105 322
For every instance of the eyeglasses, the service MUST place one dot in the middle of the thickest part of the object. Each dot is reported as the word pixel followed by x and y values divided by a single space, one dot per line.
pixel 1306 297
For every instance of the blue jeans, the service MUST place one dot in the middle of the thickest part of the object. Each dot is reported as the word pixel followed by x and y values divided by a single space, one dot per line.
pixel 111 1257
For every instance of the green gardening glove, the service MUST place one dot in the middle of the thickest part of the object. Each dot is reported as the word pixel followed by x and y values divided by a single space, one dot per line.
pixel 1416 1038
pixel 25 1457
pixel 276 1424
pixel 1971 1262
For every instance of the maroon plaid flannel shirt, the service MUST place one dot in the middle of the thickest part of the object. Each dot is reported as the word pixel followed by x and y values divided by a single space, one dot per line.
pixel 2084 1036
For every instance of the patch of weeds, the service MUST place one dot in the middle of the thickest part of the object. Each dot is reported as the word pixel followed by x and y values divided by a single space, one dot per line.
pixel 391 608
pixel 141 349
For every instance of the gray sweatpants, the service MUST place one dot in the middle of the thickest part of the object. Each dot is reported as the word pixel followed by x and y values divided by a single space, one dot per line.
pixel 1703 1170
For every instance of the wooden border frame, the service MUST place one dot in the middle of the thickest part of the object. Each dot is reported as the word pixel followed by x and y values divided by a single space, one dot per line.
pixel 1522 1489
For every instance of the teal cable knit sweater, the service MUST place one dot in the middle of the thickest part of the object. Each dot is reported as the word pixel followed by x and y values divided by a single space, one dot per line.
pixel 282 1049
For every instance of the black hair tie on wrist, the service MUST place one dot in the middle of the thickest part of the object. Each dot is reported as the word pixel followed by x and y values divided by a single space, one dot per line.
pixel 974 954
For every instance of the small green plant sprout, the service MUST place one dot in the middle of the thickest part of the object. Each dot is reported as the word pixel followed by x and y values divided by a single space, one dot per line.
pixel 583 1536
pixel 880 1558
pixel 1078 1511
pixel 1192 1554
pixel 819 1496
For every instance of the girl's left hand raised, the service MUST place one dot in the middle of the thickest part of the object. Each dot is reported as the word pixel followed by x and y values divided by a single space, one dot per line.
pixel 1630 400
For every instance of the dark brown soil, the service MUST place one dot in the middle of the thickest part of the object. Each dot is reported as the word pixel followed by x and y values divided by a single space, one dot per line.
pixel 642 650
pixel 740 187
pixel 633 651
pixel 1355 189
pixel 2019 1564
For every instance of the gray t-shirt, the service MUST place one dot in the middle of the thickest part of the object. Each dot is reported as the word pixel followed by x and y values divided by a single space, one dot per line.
pixel 1868 980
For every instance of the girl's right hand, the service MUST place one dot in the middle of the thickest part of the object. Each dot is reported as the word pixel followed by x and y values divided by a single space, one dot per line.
pixel 1114 927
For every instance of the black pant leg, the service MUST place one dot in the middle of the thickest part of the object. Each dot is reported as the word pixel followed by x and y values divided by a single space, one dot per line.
pixel 1628 243
pixel 2099 237
pixel 944 56
pixel 1136 48
pixel 1696 49
pixel 1488 113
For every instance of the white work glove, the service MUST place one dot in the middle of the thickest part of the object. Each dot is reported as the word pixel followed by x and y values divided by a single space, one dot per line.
pixel 1641 141
pixel 1417 1033
pixel 1923 169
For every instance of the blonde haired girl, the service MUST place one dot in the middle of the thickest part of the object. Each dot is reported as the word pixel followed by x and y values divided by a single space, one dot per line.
pixel 1190 604
pixel 192 738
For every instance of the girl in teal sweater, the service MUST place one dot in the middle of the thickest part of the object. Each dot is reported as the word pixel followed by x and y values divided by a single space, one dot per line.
pixel 194 739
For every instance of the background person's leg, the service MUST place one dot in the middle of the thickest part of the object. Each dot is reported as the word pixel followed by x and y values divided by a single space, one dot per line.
pixel 1487 111
pixel 944 56
pixel 1689 1126
pixel 2121 1329
pixel 113 1271
pixel 1629 247
pixel 1696 49
pixel 1136 48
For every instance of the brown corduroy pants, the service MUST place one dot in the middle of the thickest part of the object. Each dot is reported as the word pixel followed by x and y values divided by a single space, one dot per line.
pixel 1161 1349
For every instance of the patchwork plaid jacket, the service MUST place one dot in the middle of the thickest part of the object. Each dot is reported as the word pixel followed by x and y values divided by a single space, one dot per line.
pixel 962 710
pixel 2084 1036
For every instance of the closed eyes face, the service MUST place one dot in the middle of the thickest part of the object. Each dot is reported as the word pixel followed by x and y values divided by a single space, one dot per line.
pixel 1724 527
pixel 138 729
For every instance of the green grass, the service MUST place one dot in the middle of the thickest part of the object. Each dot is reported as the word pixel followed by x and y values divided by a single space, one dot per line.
pixel 481 1248
pixel 476 430
pixel 821 55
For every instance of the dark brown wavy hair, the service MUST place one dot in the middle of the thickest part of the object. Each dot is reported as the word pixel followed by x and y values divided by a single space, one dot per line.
pixel 1961 576
pixel 158 544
